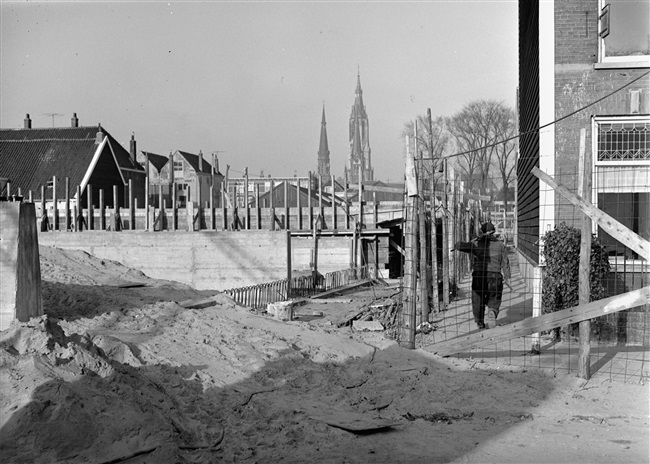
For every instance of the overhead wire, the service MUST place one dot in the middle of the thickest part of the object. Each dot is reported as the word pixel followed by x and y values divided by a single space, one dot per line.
pixel 537 129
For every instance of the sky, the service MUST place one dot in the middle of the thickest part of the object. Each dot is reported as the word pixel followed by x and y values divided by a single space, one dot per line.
pixel 248 80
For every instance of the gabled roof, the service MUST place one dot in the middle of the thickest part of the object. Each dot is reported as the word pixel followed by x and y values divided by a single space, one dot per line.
pixel 157 161
pixel 30 157
pixel 327 198
pixel 193 160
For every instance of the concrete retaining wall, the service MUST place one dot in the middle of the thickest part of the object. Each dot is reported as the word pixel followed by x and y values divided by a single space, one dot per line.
pixel 207 260
pixel 20 271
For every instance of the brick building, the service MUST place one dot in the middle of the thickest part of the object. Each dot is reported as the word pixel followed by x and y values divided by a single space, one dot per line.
pixel 584 69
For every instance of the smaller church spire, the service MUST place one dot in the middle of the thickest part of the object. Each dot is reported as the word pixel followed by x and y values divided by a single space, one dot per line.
pixel 323 148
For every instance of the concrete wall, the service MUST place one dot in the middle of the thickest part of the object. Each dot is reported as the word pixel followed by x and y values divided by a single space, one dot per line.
pixel 20 271
pixel 207 260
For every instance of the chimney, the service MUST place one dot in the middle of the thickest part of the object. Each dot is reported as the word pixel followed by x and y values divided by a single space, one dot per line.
pixel 74 122
pixel 133 150
pixel 100 135
pixel 28 122
pixel 200 161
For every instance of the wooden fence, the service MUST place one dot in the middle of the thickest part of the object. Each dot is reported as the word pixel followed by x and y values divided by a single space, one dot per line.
pixel 105 212
pixel 259 296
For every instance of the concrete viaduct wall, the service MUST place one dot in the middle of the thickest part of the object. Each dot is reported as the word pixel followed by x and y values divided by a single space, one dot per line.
pixel 207 260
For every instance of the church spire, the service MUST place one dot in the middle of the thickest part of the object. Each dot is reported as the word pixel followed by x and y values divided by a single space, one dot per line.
pixel 359 139
pixel 323 148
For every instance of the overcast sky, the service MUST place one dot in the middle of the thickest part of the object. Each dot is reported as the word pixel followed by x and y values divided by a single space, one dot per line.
pixel 248 79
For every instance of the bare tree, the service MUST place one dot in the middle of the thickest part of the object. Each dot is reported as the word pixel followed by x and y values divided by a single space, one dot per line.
pixel 432 140
pixel 476 129
pixel 505 153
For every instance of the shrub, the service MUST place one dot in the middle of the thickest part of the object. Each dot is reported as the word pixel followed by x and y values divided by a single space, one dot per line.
pixel 561 277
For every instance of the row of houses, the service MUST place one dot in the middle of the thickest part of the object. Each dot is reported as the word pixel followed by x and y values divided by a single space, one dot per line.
pixel 62 161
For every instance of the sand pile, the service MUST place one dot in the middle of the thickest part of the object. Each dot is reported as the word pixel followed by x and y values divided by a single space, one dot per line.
pixel 125 374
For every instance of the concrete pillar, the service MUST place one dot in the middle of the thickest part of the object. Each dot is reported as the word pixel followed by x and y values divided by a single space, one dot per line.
pixel 20 285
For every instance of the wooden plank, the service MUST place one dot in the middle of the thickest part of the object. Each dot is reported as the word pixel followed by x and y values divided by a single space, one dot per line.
pixel 605 221
pixel 201 303
pixel 343 289
pixel 541 323
pixel 350 421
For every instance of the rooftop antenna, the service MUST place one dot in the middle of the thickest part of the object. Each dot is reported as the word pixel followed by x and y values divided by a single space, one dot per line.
pixel 53 115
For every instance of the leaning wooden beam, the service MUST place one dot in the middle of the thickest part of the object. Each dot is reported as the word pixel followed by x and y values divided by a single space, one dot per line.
pixel 549 321
pixel 609 224
pixel 341 290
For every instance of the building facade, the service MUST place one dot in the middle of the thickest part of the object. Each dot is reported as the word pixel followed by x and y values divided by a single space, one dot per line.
pixel 584 88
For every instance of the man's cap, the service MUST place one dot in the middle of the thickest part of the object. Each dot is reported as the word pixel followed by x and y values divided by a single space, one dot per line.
pixel 488 228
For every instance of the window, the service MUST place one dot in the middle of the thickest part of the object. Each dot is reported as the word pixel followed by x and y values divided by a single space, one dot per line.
pixel 624 33
pixel 178 168
pixel 622 177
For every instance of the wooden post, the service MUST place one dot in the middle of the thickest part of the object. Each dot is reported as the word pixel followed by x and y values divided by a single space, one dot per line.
pixel 247 214
pixel 78 213
pixel 309 201
pixel 333 225
pixel 446 222
pixel 271 206
pixel 102 222
pixel 584 288
pixel 131 209
pixel 161 206
pixel 90 223
pixel 345 199
pixel 424 282
pixel 360 197
pixel 288 264
pixel 67 203
pixel 55 207
pixel 189 211
pixel 174 225
pixel 116 211
pixel 224 208
pixel 435 294
pixel 286 205
pixel 213 226
pixel 199 198
pixel 298 204
pixel 409 319
pixel 258 208
pixel 321 211
pixel 43 207
pixel 147 225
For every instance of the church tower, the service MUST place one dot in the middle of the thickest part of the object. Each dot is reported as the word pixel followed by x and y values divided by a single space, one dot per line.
pixel 323 149
pixel 359 140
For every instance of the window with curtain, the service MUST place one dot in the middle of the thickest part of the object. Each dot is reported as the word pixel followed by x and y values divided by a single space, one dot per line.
pixel 622 177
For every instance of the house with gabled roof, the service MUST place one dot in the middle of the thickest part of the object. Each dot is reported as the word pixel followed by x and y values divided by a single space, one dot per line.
pixel 195 179
pixel 188 174
pixel 86 156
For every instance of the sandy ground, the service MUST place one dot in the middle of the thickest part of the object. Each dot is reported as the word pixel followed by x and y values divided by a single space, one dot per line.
pixel 125 374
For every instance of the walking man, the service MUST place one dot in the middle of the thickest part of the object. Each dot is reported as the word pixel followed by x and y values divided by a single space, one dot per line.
pixel 490 269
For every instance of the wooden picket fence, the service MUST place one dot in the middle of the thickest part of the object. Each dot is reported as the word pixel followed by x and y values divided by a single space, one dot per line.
pixel 259 296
